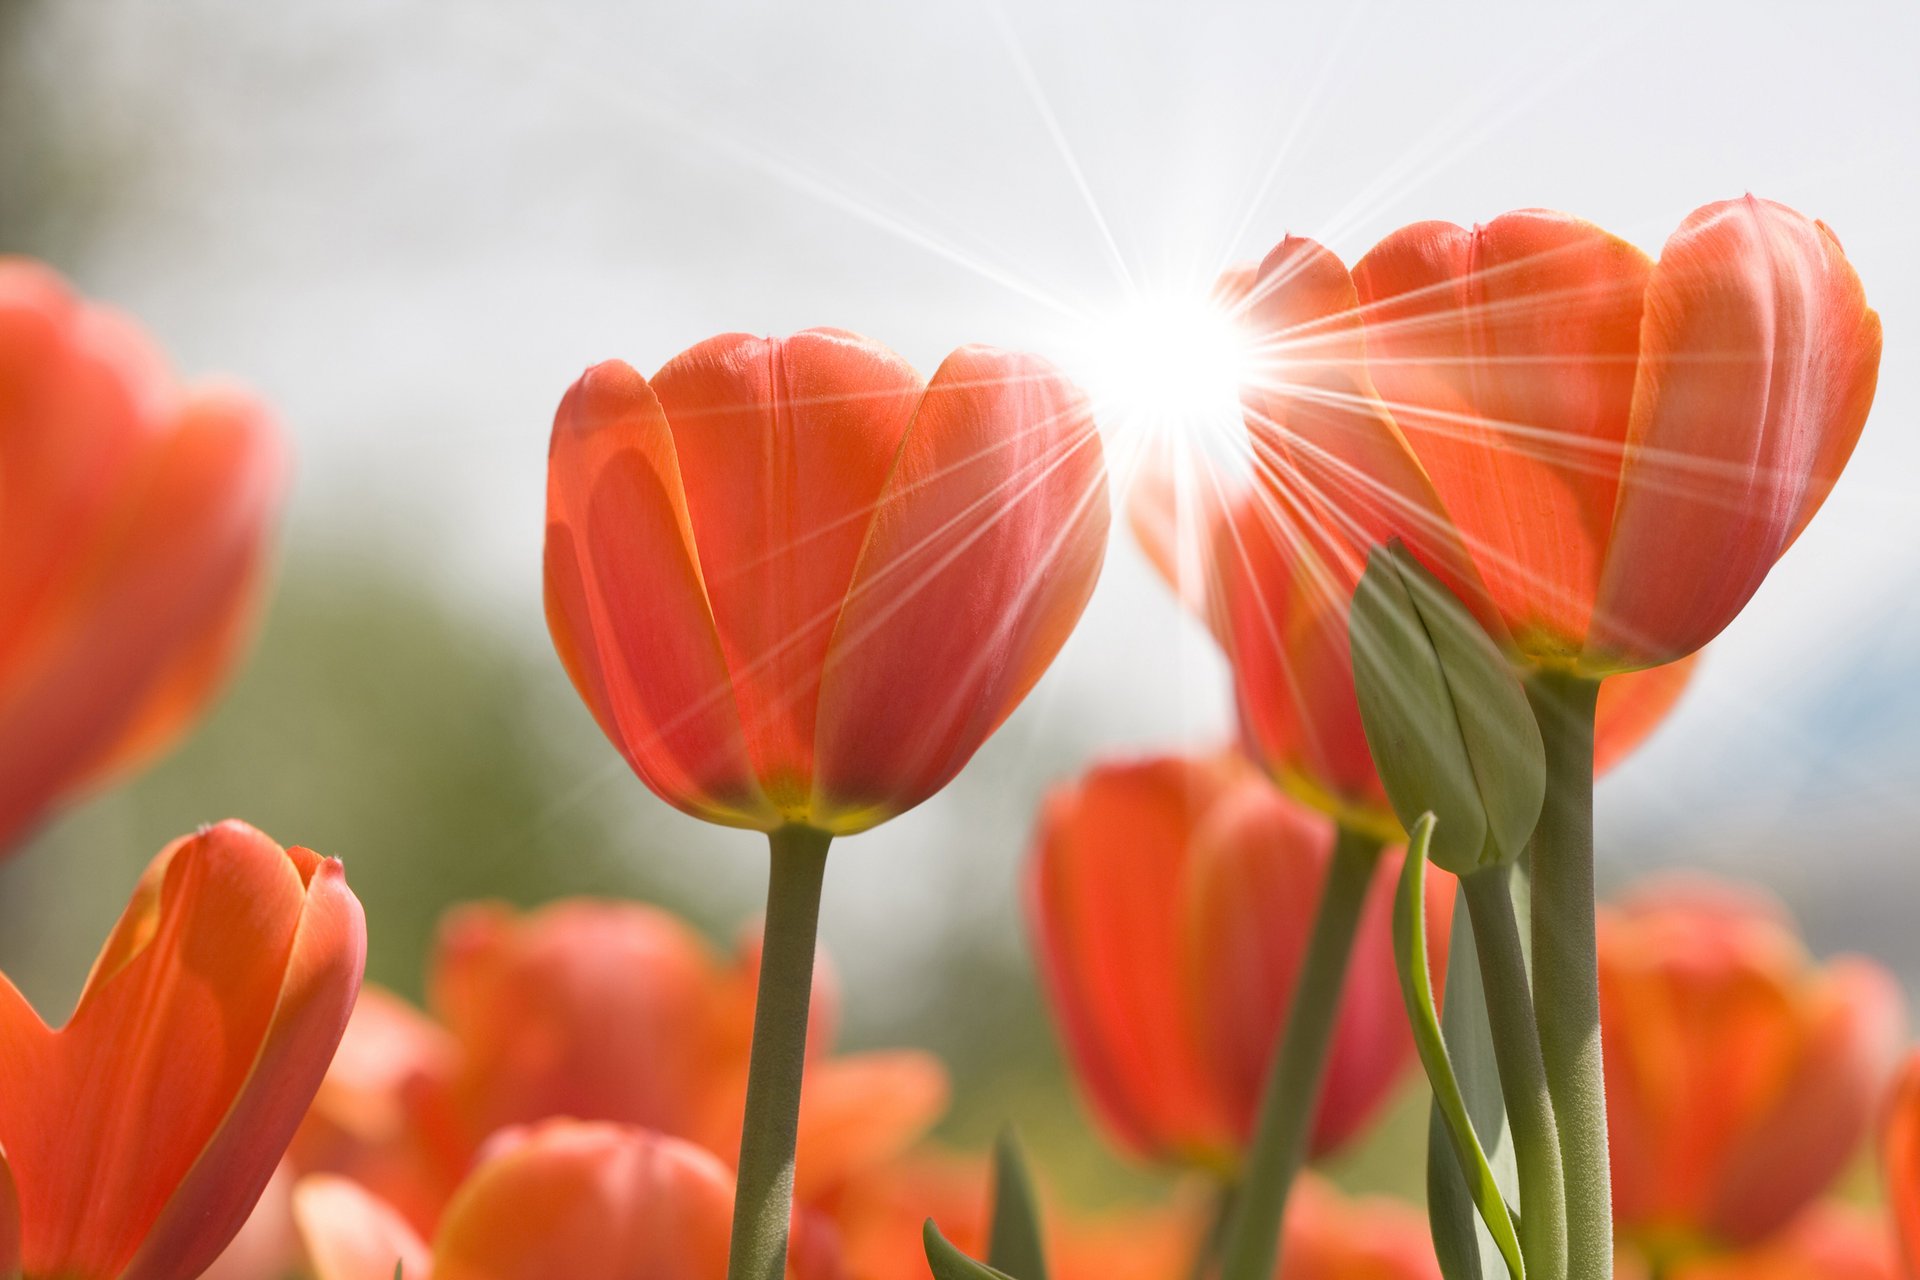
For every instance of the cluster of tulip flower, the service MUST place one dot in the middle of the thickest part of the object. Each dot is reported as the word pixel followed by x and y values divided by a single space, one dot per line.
pixel 798 587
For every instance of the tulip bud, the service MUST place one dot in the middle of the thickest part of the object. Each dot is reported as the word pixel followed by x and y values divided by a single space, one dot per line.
pixel 1446 718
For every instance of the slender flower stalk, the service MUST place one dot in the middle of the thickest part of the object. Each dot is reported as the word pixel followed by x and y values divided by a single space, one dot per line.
pixel 763 1196
pixel 1523 1080
pixel 1293 1089
pixel 1566 974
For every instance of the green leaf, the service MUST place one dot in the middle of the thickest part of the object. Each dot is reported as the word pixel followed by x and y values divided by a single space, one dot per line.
pixel 1014 1241
pixel 1447 719
pixel 1461 1241
pixel 948 1263
pixel 1482 1187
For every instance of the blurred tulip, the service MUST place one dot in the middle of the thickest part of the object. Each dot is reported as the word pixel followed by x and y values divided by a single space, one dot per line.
pixel 134 516
pixel 597 1011
pixel 1828 1242
pixel 564 1198
pixel 1741 1076
pixel 799 586
pixel 1171 901
pixel 1900 1160
pixel 1625 447
pixel 138 1137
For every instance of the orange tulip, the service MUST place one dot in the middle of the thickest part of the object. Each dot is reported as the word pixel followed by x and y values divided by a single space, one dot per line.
pixel 563 1198
pixel 1741 1077
pixel 1171 900
pixel 134 514
pixel 1625 447
pixel 1900 1160
pixel 1279 558
pixel 137 1137
pixel 799 586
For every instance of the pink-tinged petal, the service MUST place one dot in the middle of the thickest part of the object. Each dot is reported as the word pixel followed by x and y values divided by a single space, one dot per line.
pixel 1828 1242
pixel 388 1045
pixel 1506 354
pixel 1758 359
pixel 269 1243
pixel 1107 875
pixel 143 628
pixel 784 446
pixel 588 1202
pixel 352 1235
pixel 626 604
pixel 983 551
pixel 1330 1237
pixel 321 979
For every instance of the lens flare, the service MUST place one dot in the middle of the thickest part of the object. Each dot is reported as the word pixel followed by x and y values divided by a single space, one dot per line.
pixel 1170 364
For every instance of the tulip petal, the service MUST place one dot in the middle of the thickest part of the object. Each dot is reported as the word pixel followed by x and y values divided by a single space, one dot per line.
pixel 861 1110
pixel 628 608
pixel 981 556
pixel 152 619
pixel 158 1112
pixel 10 1229
pixel 352 1235
pixel 588 1202
pixel 1758 359
pixel 1632 705
pixel 784 445
pixel 1109 863
pixel 316 997
pixel 1506 354
pixel 1900 1160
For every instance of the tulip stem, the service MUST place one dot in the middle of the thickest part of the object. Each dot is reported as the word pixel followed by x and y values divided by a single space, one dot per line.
pixel 1523 1077
pixel 1292 1096
pixel 1566 975
pixel 763 1188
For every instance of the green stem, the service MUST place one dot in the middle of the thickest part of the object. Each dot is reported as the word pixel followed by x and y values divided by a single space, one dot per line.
pixel 1566 979
pixel 1293 1089
pixel 763 1189
pixel 1523 1077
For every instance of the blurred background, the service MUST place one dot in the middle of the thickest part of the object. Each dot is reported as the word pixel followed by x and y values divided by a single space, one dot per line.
pixel 411 224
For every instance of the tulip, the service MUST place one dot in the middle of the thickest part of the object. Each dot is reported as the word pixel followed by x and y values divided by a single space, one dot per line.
pixel 798 588
pixel 797 585
pixel 137 1137
pixel 1171 901
pixel 1741 1076
pixel 134 516
pixel 1625 446
pixel 564 1198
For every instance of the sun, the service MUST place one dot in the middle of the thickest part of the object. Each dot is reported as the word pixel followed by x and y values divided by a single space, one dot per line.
pixel 1166 364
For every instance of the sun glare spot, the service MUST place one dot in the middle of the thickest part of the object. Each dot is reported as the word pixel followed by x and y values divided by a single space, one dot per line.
pixel 1171 365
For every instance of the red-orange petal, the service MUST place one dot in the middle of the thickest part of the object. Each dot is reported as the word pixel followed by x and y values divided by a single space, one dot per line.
pixel 1506 354
pixel 1634 704
pixel 784 447
pixel 1107 872
pixel 1757 363
pixel 628 608
pixel 589 1202
pixel 350 1234
pixel 983 551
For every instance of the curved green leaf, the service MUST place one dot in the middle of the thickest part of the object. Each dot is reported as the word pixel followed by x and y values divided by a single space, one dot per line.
pixel 1416 986
pixel 1014 1243
pixel 948 1263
